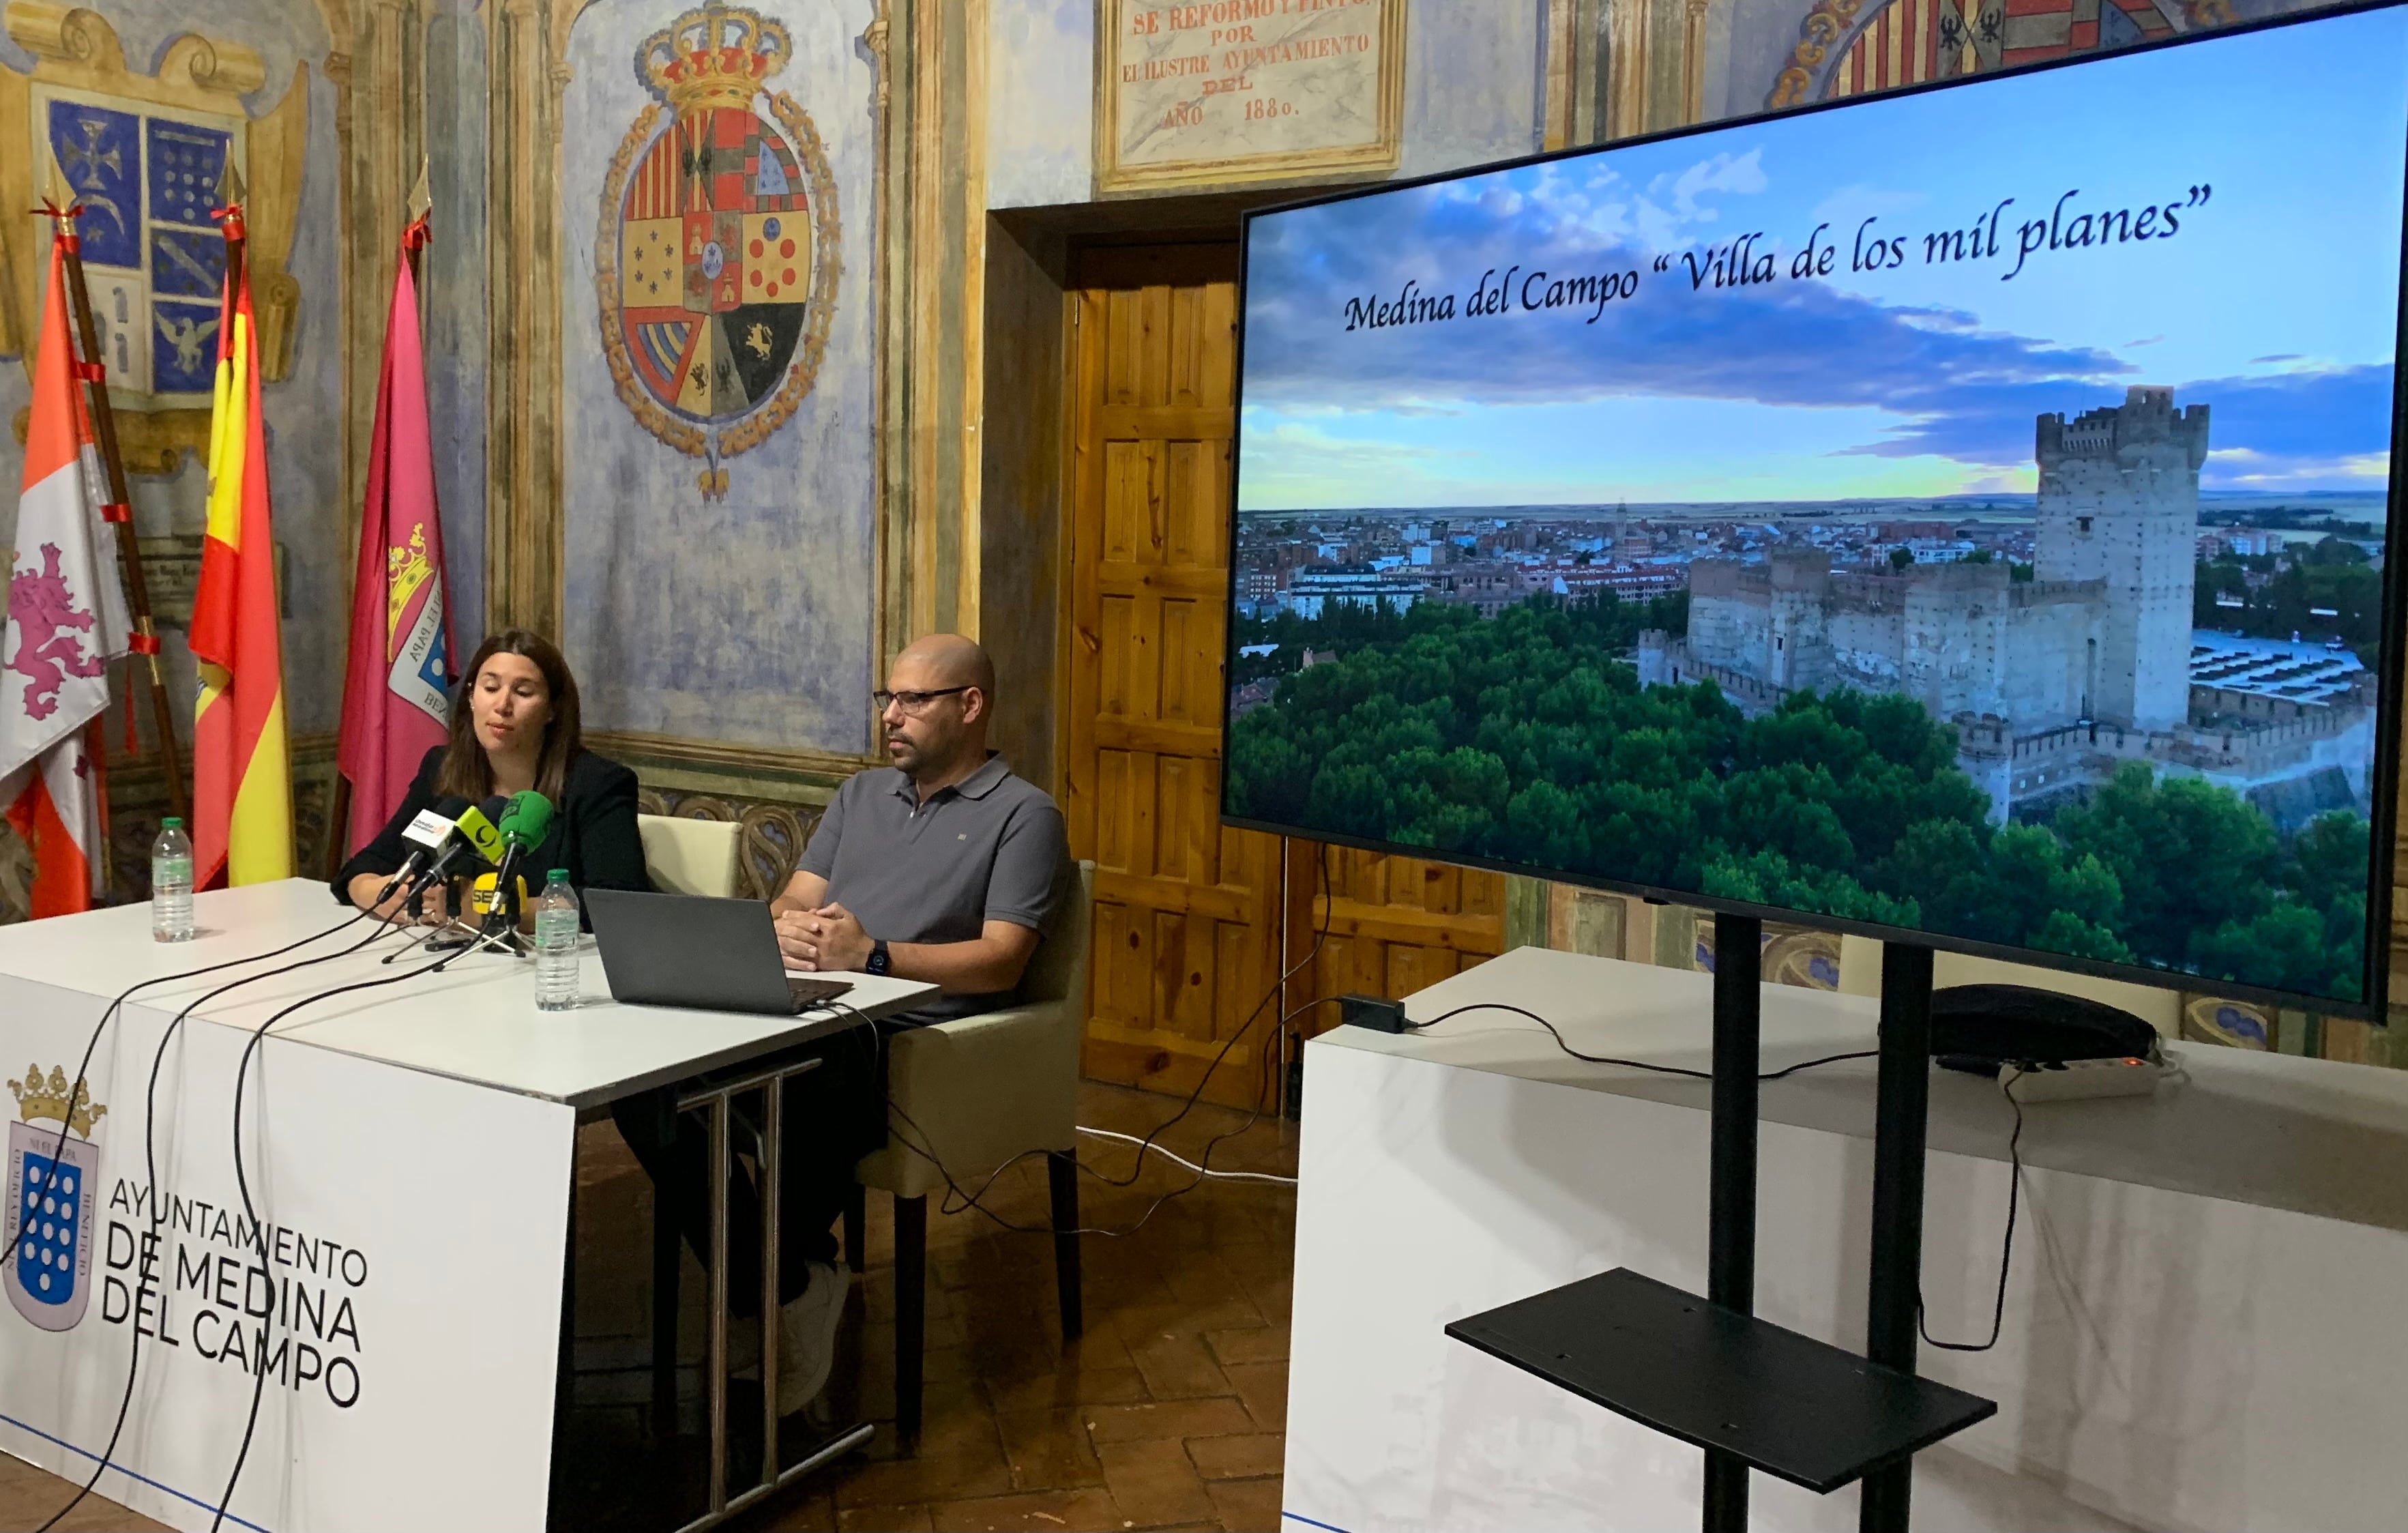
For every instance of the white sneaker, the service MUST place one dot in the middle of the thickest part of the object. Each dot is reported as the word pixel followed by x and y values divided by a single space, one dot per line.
pixel 807 1337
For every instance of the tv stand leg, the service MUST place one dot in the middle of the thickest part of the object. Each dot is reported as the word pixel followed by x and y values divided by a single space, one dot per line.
pixel 1730 1219
pixel 1894 1298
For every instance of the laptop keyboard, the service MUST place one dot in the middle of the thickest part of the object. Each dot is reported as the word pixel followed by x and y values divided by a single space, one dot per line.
pixel 810 993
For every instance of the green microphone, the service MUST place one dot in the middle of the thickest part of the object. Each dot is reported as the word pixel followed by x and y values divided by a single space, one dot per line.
pixel 524 824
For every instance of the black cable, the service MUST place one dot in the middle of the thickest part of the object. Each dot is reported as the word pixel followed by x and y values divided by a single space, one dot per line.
pixel 967 1201
pixel 150 1158
pixel 258 1231
pixel 1629 1064
pixel 975 1201
pixel 1319 938
pixel 1136 1168
pixel 75 1092
pixel 2007 1248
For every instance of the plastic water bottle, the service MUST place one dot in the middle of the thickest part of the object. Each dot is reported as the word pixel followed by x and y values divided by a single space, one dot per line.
pixel 555 943
pixel 171 883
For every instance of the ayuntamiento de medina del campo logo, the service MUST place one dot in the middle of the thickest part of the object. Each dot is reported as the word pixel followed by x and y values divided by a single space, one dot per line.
pixel 717 259
pixel 51 1174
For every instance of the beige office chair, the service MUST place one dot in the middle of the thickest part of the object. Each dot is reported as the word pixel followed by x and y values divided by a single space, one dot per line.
pixel 970 1096
pixel 691 857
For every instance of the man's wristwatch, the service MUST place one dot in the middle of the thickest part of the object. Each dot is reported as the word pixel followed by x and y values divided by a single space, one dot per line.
pixel 877 964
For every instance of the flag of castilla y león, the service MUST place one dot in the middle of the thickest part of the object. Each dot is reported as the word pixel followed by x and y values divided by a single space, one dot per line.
pixel 242 777
pixel 394 707
pixel 66 619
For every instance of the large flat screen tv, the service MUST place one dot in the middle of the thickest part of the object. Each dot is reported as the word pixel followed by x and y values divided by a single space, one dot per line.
pixel 1959 516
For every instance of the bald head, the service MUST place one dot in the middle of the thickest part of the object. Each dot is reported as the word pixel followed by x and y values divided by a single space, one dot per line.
pixel 945 660
pixel 940 687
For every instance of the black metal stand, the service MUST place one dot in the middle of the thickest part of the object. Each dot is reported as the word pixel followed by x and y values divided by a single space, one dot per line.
pixel 1900 1115
pixel 1751 1394
pixel 1730 1195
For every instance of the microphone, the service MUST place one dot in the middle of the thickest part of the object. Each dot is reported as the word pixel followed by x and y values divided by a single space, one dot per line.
pixel 474 832
pixel 480 826
pixel 524 824
pixel 428 834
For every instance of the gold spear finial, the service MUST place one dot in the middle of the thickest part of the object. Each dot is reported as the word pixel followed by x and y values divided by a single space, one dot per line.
pixel 230 187
pixel 421 196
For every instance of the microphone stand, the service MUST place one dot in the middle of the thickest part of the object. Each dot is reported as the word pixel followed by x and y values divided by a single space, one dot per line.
pixel 502 940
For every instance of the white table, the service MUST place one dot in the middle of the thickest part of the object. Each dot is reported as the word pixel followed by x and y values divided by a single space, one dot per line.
pixel 2200 1326
pixel 419 1136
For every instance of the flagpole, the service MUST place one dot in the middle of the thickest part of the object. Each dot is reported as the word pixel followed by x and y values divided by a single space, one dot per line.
pixel 413 250
pixel 93 368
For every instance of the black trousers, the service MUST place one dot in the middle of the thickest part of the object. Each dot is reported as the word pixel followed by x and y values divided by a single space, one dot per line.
pixel 832 1116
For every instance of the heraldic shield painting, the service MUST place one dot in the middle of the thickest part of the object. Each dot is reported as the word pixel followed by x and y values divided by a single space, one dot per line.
pixel 146 176
pixel 717 259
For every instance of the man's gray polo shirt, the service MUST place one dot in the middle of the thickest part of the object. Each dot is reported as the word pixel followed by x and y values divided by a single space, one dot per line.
pixel 989 848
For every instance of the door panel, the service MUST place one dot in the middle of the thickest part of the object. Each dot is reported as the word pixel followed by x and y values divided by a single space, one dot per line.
pixel 1192 919
pixel 1186 915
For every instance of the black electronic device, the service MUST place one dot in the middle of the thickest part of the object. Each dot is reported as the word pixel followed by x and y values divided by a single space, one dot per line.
pixel 1980 1028
pixel 1377 1012
pixel 689 949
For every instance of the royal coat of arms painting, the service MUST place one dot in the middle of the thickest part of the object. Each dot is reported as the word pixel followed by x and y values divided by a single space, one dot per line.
pixel 717 256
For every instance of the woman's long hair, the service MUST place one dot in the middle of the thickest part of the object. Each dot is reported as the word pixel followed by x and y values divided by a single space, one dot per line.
pixel 466 771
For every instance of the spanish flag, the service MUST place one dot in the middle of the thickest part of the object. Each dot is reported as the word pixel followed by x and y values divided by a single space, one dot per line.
pixel 242 776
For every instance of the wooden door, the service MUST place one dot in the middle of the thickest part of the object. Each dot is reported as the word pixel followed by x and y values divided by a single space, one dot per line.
pixel 1187 914
pixel 1192 919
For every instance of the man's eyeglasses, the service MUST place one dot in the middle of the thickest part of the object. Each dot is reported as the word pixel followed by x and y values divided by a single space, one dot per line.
pixel 912 702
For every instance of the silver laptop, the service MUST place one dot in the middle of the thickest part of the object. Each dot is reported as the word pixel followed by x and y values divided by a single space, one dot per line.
pixel 687 950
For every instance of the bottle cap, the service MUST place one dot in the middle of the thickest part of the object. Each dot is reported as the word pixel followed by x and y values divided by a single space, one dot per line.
pixel 171 822
pixel 558 875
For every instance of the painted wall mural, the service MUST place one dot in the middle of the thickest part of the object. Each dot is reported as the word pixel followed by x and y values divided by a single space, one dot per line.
pixel 197 78
pixel 717 180
pixel 1849 47
pixel 721 211
pixel 139 102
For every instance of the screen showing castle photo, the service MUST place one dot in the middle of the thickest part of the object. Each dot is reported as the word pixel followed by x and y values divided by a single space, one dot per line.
pixel 1964 513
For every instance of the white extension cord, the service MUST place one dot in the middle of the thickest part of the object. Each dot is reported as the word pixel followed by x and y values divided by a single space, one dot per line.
pixel 1219 1176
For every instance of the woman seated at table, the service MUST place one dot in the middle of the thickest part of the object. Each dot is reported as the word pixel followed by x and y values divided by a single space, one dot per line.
pixel 514 728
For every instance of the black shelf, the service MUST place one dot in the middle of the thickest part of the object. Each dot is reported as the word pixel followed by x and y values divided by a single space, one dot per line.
pixel 1787 1404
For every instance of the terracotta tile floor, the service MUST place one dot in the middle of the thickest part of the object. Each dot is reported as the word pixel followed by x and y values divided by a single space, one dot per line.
pixel 1170 1412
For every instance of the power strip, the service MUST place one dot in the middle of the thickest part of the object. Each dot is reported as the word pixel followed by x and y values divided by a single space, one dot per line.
pixel 2076 1079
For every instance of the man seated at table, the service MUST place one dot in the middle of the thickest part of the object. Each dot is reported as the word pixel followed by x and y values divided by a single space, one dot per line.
pixel 941 868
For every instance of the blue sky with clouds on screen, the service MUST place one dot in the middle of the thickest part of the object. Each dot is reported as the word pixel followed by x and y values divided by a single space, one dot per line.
pixel 2275 303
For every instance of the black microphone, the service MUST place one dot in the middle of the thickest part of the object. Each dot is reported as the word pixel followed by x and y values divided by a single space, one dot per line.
pixel 428 834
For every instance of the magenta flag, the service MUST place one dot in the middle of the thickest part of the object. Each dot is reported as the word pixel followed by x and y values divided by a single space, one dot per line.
pixel 395 696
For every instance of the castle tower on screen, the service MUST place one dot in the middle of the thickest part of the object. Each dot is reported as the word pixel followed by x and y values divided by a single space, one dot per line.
pixel 2052 680
pixel 2118 505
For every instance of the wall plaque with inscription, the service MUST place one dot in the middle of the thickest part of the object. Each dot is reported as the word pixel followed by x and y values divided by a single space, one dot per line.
pixel 1224 91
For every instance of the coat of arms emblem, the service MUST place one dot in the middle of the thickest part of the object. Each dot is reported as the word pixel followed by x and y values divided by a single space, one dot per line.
pixel 716 261
pixel 52 1175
